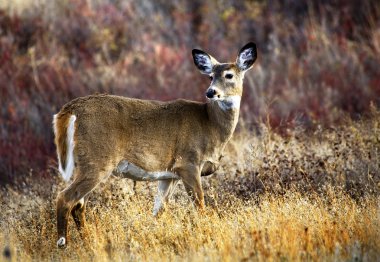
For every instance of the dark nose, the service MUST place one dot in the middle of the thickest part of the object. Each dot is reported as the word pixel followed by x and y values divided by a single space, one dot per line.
pixel 210 93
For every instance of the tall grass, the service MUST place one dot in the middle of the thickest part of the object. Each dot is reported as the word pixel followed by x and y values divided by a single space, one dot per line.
pixel 316 61
pixel 290 227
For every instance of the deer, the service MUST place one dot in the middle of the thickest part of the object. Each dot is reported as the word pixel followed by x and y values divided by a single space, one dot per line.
pixel 100 135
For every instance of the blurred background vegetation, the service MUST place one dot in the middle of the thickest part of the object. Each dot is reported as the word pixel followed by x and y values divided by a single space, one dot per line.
pixel 319 62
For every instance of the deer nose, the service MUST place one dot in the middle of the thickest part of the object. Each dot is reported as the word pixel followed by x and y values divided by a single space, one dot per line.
pixel 210 93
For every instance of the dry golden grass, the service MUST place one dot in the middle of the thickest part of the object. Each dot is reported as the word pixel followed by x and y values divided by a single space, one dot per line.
pixel 290 227
pixel 295 198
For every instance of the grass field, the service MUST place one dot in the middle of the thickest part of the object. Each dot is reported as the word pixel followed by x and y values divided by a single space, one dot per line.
pixel 304 197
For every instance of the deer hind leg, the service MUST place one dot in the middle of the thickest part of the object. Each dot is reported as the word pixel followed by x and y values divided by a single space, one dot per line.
pixel 78 212
pixel 68 200
pixel 165 190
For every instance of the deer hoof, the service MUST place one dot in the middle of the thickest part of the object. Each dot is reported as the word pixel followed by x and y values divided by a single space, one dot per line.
pixel 61 243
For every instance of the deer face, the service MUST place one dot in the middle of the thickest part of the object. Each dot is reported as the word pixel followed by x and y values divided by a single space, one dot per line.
pixel 226 85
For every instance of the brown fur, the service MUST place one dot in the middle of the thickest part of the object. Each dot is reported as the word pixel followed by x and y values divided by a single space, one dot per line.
pixel 146 133
pixel 61 124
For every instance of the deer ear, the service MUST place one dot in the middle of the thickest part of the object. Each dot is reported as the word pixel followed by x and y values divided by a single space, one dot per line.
pixel 247 56
pixel 203 61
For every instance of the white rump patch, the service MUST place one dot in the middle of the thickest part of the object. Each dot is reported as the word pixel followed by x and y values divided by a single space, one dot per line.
pixel 229 102
pixel 67 171
pixel 61 242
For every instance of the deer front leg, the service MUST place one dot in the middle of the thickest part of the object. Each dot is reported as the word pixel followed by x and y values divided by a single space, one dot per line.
pixel 191 177
pixel 165 190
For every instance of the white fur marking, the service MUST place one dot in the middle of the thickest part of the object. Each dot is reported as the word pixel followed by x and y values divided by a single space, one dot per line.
pixel 228 72
pixel 165 190
pixel 55 123
pixel 157 205
pixel 81 201
pixel 163 174
pixel 55 133
pixel 158 199
pixel 126 169
pixel 61 242
pixel 68 171
pixel 229 102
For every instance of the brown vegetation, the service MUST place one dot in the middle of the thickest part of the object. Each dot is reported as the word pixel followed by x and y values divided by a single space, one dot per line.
pixel 316 61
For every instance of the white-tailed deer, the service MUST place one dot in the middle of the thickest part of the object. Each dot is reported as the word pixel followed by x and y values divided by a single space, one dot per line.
pixel 99 135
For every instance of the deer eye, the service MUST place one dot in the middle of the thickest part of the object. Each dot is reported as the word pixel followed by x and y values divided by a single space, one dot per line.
pixel 211 78
pixel 229 76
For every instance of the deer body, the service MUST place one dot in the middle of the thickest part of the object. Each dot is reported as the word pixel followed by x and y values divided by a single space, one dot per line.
pixel 152 135
pixel 95 134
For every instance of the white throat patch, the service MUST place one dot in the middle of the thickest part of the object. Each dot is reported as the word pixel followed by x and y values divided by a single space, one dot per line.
pixel 229 102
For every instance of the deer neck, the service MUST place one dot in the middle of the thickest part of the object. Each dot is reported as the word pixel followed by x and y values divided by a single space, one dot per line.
pixel 224 115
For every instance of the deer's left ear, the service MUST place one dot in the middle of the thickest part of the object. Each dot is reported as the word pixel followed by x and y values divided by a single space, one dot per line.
pixel 247 56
